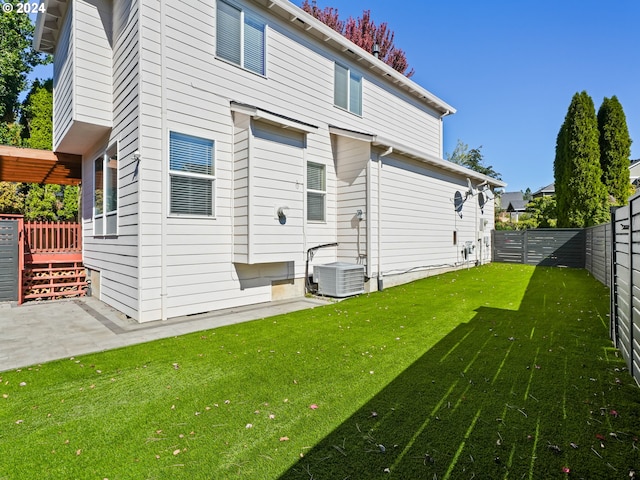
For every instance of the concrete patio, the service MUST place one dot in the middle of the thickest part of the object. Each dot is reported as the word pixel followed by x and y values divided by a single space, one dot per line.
pixel 40 332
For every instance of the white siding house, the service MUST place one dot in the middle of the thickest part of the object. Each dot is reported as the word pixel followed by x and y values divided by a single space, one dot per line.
pixel 221 140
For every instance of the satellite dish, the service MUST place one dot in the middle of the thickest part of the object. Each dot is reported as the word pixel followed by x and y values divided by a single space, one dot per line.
pixel 458 202
pixel 471 191
pixel 482 201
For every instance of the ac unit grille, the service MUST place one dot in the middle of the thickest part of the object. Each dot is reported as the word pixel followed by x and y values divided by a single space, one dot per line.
pixel 339 279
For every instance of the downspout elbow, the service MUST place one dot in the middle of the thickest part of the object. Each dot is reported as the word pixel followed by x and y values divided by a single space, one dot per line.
pixel 389 151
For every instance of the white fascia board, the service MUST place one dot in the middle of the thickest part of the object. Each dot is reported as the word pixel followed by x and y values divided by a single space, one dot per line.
pixel 343 132
pixel 37 33
pixel 274 118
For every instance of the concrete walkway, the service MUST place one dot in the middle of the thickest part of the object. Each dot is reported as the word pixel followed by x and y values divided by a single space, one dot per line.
pixel 40 332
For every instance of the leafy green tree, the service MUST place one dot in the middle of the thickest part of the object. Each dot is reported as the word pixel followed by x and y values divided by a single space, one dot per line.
pixel 615 149
pixel 582 197
pixel 542 212
pixel 17 59
pixel 11 197
pixel 42 202
pixel 527 194
pixel 10 134
pixel 68 209
pixel 472 159
pixel 37 116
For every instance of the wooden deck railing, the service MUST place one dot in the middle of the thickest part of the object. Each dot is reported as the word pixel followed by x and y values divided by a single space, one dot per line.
pixel 50 259
pixel 44 239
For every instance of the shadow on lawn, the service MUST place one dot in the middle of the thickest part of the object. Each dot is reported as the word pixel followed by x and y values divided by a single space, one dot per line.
pixel 506 394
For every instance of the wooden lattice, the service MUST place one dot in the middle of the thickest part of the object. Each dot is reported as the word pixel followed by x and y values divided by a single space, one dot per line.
pixel 54 280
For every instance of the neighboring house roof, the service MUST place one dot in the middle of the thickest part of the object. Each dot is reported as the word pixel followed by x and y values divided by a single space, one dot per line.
pixel 517 206
pixel 507 197
pixel 545 191
pixel 634 170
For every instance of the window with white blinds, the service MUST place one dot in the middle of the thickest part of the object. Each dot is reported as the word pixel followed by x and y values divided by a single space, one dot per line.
pixel 316 192
pixel 240 38
pixel 347 91
pixel 192 175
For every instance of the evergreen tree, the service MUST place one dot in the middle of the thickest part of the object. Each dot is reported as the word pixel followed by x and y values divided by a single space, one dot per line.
pixel 37 116
pixel 582 199
pixel 41 202
pixel 559 167
pixel 615 149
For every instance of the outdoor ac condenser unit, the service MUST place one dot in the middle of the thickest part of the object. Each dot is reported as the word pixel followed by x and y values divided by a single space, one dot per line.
pixel 339 279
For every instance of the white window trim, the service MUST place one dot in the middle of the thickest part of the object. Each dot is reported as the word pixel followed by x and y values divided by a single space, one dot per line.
pixel 178 173
pixel 102 217
pixel 242 26
pixel 350 72
pixel 321 192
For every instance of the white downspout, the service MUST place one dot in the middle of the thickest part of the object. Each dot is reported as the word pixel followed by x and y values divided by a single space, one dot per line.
pixel 389 151
pixel 164 167
pixel 442 132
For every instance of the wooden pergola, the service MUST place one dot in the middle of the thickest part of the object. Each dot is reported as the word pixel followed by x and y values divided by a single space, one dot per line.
pixel 28 165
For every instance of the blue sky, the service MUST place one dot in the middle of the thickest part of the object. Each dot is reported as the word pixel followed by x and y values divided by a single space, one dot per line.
pixel 511 67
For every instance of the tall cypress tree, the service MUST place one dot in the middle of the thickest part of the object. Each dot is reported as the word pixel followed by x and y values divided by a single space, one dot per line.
pixel 559 168
pixel 583 198
pixel 615 149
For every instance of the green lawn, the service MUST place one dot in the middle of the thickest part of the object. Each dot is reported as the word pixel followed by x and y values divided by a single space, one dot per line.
pixel 502 371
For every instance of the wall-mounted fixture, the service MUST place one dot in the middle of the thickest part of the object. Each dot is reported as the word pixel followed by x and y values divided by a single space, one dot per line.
pixel 359 215
pixel 282 217
pixel 136 155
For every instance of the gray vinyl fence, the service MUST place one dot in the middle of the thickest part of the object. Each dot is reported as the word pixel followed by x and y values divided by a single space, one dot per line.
pixel 625 283
pixel 550 247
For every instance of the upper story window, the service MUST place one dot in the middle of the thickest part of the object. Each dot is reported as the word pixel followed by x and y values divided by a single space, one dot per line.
pixel 240 38
pixel 347 89
pixel 192 175
pixel 105 193
pixel 316 192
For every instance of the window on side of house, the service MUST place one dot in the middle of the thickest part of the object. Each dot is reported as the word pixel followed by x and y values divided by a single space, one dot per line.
pixel 316 192
pixel 347 92
pixel 192 175
pixel 105 198
pixel 240 38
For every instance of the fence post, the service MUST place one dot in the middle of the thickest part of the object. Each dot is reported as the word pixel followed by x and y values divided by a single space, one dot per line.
pixel 613 315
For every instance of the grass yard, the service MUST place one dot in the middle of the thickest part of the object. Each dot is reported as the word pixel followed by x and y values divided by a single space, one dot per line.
pixel 501 371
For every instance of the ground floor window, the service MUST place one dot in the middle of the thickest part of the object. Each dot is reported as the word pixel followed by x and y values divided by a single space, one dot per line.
pixel 192 175
pixel 105 198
